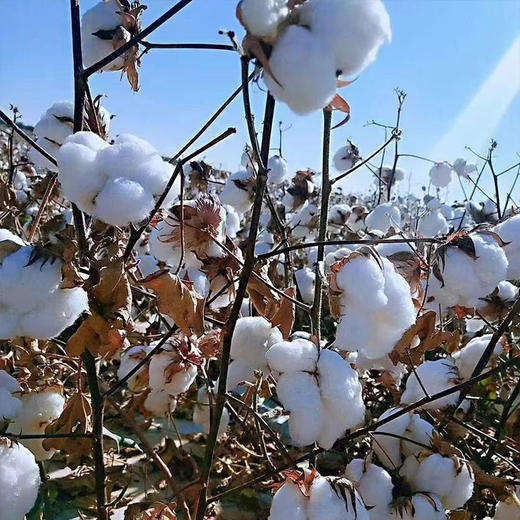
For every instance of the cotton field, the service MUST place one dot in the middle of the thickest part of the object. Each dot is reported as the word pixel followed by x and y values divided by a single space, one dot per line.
pixel 184 340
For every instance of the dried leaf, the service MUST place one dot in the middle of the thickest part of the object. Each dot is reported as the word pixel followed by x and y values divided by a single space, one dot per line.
pixel 285 315
pixel 177 300
pixel 8 247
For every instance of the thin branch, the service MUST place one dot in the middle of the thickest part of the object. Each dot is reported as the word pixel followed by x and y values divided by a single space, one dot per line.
pixel 202 46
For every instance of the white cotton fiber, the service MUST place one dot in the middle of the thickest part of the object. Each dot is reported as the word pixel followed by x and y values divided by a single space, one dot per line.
pixel 386 447
pixel 467 358
pixel 167 373
pixel 10 405
pixel 118 183
pixel 291 356
pixel 303 73
pixel 289 502
pixel 130 358
pixel 238 191
pixel 434 377
pixel 345 157
pixel 305 279
pixel 19 479
pixel 383 217
pixel 376 307
pixel 104 16
pixel 422 506
pixel 160 403
pixel 441 175
pixel 38 410
pixel 432 224
pixel 201 413
pixel 31 302
pixel 278 170
pixel 353 30
pixel 509 231
pixel 262 17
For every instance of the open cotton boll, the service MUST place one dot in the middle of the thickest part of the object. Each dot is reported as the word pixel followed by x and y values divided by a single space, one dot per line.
pixel 432 224
pixel 422 506
pixel 10 406
pixel 238 191
pixel 383 217
pixel 335 255
pixel 19 479
pixel 292 356
pixel 352 30
pixel 441 175
pixel 160 403
pixel 345 157
pixel 387 448
pixel 463 169
pixel 104 16
pixel 509 509
pixel 375 486
pixel 262 17
pixel 130 358
pixel 327 501
pixel 38 410
pixel 435 377
pixel 467 358
pixel 289 502
pixel 509 231
pixel 54 126
pixel 118 183
pixel 435 204
pixel 31 302
pixel 338 216
pixel 278 170
pixel 418 430
pixel 305 279
pixel 201 413
pixel 167 373
pixel 303 73
pixel 376 306
pixel 232 225
pixel 304 222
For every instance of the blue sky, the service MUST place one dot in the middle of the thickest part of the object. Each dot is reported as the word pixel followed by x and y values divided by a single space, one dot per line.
pixel 441 54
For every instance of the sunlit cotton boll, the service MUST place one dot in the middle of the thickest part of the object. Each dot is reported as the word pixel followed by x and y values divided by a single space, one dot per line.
pixel 376 306
pixel 19 479
pixel 352 30
pixel 238 191
pixel 129 360
pixel 38 410
pixel 31 302
pixel 104 16
pixel 119 183
pixel 201 413
pixel 467 358
pixel 434 377
pixel 166 373
pixel 54 126
pixel 345 157
pixel 305 279
pixel 509 231
pixel 421 506
pixel 10 405
pixel 432 224
pixel 262 17
pixel 383 217
pixel 278 170
pixel 160 403
pixel 441 175
pixel 302 71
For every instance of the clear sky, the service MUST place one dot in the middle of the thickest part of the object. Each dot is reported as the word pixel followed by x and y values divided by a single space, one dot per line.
pixel 458 60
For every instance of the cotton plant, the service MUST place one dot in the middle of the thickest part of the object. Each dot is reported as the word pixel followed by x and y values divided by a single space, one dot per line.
pixel 32 302
pixel 252 338
pixel 406 434
pixel 20 480
pixel 309 496
pixel 117 183
pixel 319 389
pixel 39 409
pixel 303 223
pixel 383 217
pixel 466 268
pixel 372 301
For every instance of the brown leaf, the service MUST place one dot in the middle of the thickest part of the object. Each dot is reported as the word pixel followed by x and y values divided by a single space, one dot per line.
pixel 75 418
pixel 8 247
pixel 177 300
pixel 284 316
pixel 338 103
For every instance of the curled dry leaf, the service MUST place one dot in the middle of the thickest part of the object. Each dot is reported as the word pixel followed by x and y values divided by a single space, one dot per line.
pixel 177 300
pixel 75 418
pixel 430 338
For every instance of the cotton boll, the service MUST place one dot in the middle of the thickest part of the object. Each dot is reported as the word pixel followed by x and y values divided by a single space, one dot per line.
pixel 201 413
pixel 509 231
pixel 467 358
pixel 302 71
pixel 290 356
pixel 353 31
pixel 19 479
pixel 435 377
pixel 432 224
pixel 305 279
pixel 161 247
pixel 129 360
pixel 289 501
pixel 335 255
pixel 160 403
pixel 441 175
pixel 122 202
pixel 463 169
pixel 237 191
pixel 10 406
pixel 345 157
pixel 338 216
pixel 418 430
pixel 435 474
pixel 383 217
pixel 165 375
pixel 232 225
pixel 509 509
pixel 462 488
pixel 38 410
pixel 422 506
pixel 239 370
pixel 104 16
pixel 5 234
pixel 278 171
pixel 387 448
pixel 507 292
pixel 262 17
